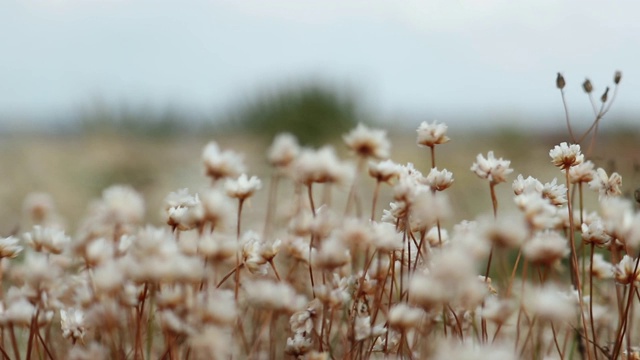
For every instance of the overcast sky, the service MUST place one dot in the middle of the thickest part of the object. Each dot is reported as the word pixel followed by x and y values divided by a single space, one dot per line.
pixel 421 58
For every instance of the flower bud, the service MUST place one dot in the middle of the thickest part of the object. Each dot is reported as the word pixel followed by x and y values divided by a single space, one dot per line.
pixel 586 85
pixel 617 77
pixel 560 83
pixel 603 98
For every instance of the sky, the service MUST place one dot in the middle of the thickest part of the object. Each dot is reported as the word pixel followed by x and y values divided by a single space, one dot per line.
pixel 429 59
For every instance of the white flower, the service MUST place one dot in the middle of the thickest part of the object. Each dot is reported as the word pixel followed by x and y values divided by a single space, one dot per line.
pixel 432 134
pixel 403 316
pixel 368 142
pixel 497 310
pixel 217 208
pixel 555 193
pixel 39 207
pixel 504 232
pixel 566 156
pixel 221 164
pixel 72 323
pixel 607 186
pixel 283 151
pixel 322 166
pixel 538 211
pixel 545 248
pixel 439 180
pixel 386 238
pixel 594 233
pixel 332 254
pixel 124 204
pixel 183 210
pixel 243 187
pixel 9 247
pixel 549 303
pixel 582 172
pixel 47 239
pixel 362 327
pixel 600 268
pixel 276 296
pixel 528 185
pixel 384 171
pixel 492 169
pixel 626 271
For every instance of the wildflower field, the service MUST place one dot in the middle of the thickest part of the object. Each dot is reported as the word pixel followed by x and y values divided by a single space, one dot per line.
pixel 418 245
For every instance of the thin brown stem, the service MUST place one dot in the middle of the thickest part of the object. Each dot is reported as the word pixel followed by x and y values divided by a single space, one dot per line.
pixel 574 260
pixel 566 115
pixel 593 327
pixel 238 229
pixel 433 156
pixel 623 321
pixel 376 192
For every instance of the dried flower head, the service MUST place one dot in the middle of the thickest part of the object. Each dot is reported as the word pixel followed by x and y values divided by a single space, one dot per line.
pixel 617 76
pixel 492 169
pixel 367 142
pixel 560 82
pixel 432 134
pixel 566 156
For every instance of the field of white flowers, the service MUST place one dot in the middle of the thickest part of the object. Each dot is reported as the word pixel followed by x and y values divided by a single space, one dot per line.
pixel 329 256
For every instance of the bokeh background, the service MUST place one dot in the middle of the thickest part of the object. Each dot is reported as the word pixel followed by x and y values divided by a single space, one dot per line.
pixel 101 92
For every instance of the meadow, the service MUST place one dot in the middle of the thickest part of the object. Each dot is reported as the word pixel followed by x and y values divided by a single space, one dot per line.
pixel 419 244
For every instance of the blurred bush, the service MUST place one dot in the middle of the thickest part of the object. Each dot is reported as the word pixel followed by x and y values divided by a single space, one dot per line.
pixel 145 121
pixel 315 113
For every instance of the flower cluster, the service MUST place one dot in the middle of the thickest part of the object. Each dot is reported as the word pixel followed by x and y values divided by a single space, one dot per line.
pixel 318 276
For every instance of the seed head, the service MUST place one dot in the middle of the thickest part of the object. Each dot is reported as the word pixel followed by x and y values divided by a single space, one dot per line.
pixel 617 77
pixel 560 83
pixel 604 96
pixel 587 87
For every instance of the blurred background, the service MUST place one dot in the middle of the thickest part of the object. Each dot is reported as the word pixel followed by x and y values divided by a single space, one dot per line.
pixel 99 92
